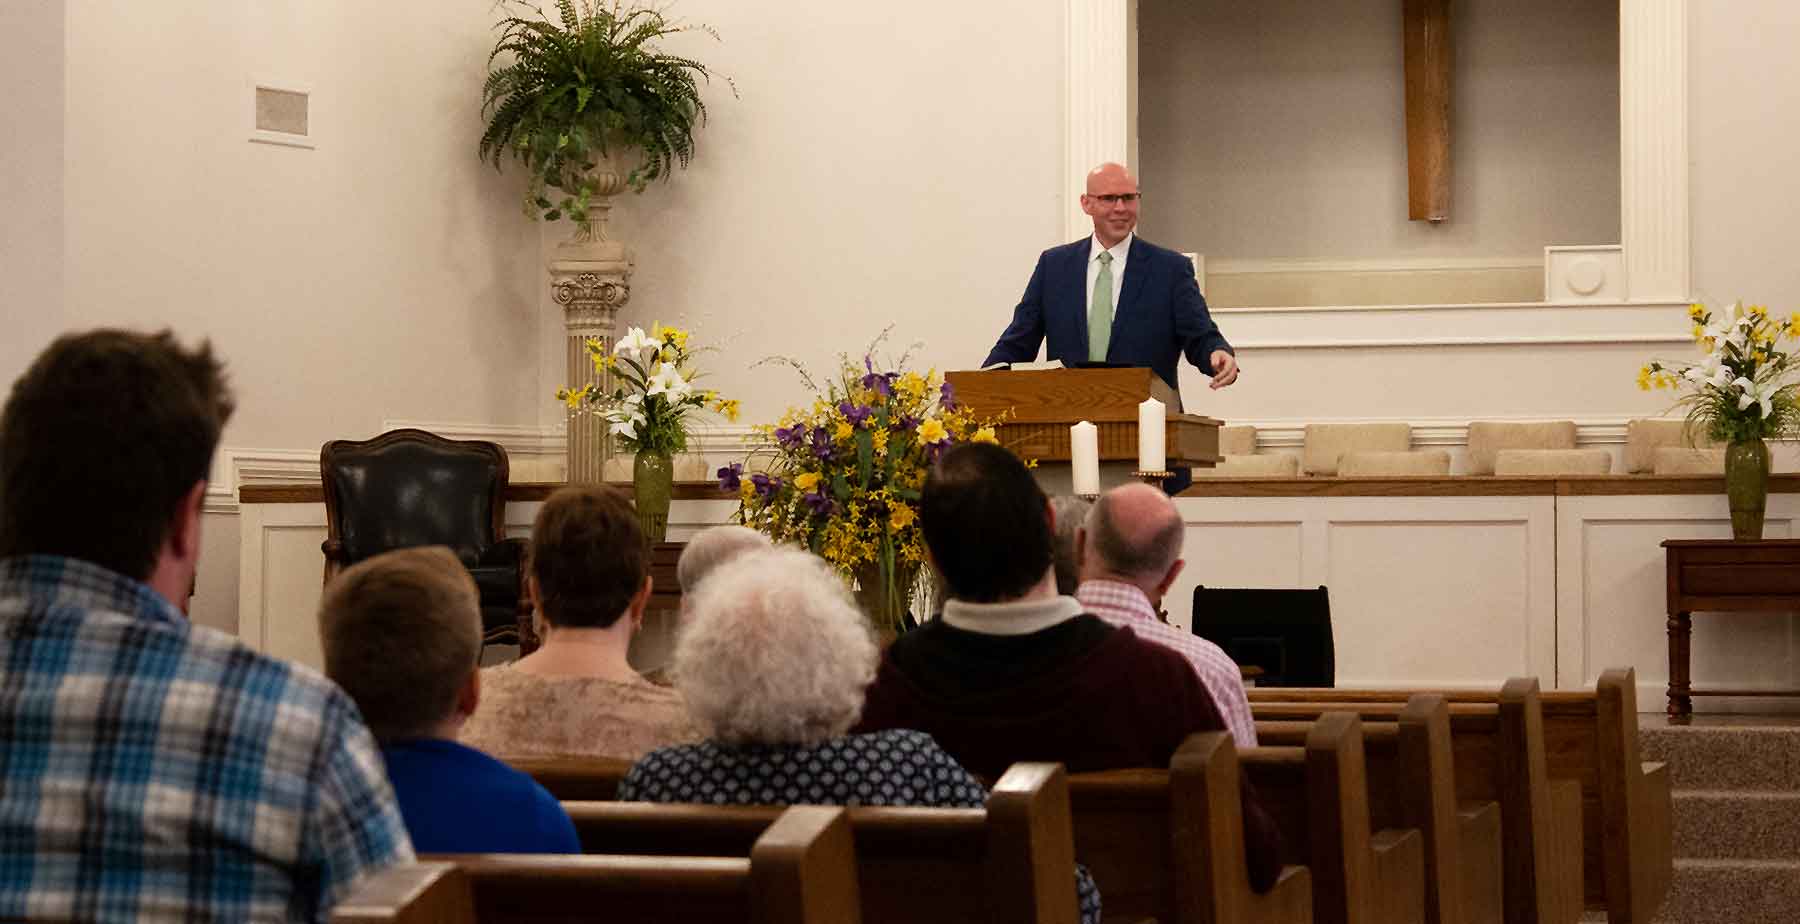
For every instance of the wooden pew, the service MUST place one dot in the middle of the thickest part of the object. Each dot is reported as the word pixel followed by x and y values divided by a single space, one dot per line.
pixel 1169 844
pixel 1412 784
pixel 1319 795
pixel 574 779
pixel 802 869
pixel 1013 863
pixel 1592 739
pixel 1498 753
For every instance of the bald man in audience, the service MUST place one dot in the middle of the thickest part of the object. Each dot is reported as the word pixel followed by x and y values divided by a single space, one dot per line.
pixel 1129 552
pixel 1014 671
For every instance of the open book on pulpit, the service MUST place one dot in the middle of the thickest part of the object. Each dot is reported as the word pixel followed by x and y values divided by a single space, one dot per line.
pixel 1041 405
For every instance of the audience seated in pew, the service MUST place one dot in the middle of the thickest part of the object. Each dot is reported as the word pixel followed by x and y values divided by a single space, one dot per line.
pixel 1129 551
pixel 402 635
pixel 154 770
pixel 773 658
pixel 577 695
pixel 1014 672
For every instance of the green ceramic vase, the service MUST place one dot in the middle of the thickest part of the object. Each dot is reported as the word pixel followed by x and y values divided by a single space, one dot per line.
pixel 652 481
pixel 1747 486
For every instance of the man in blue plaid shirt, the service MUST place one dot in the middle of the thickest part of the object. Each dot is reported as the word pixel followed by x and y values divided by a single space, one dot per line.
pixel 150 769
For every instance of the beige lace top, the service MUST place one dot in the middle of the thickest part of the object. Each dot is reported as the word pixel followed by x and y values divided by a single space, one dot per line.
pixel 524 715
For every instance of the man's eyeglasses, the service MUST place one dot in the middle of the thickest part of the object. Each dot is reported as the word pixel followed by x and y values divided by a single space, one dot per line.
pixel 1116 198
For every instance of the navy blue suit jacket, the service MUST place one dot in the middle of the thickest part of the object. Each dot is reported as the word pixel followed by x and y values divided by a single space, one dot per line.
pixel 1160 316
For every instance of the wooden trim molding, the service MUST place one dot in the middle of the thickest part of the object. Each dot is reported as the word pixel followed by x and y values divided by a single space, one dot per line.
pixel 518 492
pixel 1478 486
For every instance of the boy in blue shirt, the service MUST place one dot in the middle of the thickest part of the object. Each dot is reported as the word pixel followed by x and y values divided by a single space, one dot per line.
pixel 402 636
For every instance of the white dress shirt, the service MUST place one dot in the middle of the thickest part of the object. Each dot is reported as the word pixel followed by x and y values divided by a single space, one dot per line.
pixel 1119 252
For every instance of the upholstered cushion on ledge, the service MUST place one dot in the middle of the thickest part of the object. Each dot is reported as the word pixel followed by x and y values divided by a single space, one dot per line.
pixel 1419 462
pixel 1325 443
pixel 1553 462
pixel 1645 436
pixel 1237 441
pixel 1267 465
pixel 1679 460
pixel 1488 438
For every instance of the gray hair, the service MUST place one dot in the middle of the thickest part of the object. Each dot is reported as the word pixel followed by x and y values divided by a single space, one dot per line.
pixel 1145 554
pixel 1071 512
pixel 713 547
pixel 774 651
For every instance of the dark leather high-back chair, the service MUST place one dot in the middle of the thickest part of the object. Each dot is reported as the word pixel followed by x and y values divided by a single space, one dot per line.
pixel 409 488
pixel 1285 632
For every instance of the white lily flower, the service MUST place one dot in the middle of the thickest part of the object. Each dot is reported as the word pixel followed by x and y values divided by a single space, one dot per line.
pixel 1763 395
pixel 626 428
pixel 636 341
pixel 667 380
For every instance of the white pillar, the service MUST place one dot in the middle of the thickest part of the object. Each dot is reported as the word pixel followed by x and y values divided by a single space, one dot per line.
pixel 1653 149
pixel 1096 98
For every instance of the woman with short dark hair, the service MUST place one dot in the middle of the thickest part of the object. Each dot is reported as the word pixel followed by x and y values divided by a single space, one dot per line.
pixel 577 695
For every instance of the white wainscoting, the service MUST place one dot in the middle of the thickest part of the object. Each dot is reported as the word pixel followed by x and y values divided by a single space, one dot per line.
pixel 281 568
pixel 1425 591
pixel 1611 600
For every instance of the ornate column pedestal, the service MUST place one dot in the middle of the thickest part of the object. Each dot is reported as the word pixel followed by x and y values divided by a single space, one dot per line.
pixel 590 278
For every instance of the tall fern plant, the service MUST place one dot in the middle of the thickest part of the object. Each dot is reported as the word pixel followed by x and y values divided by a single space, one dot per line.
pixel 563 93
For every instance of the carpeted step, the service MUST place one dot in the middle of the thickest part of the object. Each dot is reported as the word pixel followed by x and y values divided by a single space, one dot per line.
pixel 1733 892
pixel 1737 758
pixel 1721 825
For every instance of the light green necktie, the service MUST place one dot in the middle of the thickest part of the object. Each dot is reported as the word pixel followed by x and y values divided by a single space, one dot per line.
pixel 1100 315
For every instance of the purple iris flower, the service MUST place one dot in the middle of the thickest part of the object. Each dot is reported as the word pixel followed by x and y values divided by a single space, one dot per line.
pixel 854 413
pixel 791 437
pixel 731 477
pixel 821 443
pixel 766 486
pixel 819 503
pixel 905 422
pixel 947 397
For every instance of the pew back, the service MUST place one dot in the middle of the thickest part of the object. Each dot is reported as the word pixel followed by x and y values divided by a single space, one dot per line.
pixel 574 779
pixel 1319 795
pixel 1013 862
pixel 1169 845
pixel 1590 738
pixel 801 869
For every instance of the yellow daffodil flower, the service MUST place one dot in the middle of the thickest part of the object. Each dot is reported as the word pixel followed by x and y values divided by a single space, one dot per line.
pixel 806 481
pixel 932 431
pixel 1696 311
pixel 901 517
pixel 984 435
pixel 844 430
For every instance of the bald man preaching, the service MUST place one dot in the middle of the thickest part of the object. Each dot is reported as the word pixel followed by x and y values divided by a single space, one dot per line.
pixel 1115 297
pixel 1149 312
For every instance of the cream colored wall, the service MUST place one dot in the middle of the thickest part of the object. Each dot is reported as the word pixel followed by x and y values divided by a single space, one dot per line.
pixel 1745 139
pixel 385 274
pixel 1276 131
pixel 31 180
pixel 882 164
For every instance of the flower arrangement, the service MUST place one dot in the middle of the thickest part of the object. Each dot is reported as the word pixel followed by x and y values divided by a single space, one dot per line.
pixel 845 473
pixel 1739 393
pixel 653 390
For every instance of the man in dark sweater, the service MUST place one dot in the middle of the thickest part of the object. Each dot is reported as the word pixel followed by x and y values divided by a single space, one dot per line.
pixel 1014 672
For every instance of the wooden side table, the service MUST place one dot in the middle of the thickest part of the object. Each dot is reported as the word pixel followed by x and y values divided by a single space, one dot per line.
pixel 1728 576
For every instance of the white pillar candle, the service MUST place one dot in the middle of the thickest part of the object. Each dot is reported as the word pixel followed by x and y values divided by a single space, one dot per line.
pixel 1084 457
pixel 1151 454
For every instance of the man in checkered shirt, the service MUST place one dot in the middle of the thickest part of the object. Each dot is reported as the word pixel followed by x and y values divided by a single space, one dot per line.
pixel 151 769
pixel 1129 553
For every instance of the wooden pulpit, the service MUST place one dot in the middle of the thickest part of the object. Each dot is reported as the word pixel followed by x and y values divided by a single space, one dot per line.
pixel 1041 405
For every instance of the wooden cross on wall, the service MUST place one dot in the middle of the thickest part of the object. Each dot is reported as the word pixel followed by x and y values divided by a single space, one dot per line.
pixel 1427 30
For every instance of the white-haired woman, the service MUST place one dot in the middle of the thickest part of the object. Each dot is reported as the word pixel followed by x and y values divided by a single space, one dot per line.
pixel 773 658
